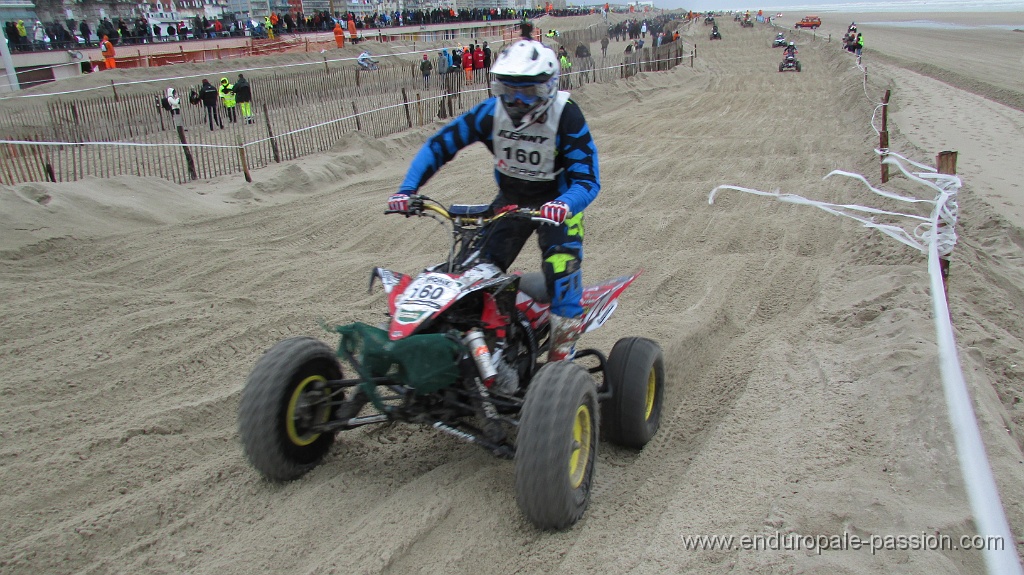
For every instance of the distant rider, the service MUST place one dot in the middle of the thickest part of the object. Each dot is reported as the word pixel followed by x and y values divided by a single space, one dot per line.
pixel 544 159
pixel 366 61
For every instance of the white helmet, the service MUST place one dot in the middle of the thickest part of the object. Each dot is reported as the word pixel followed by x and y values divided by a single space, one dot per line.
pixel 525 80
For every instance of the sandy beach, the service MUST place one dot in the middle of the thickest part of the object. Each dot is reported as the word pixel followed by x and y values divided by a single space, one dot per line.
pixel 803 394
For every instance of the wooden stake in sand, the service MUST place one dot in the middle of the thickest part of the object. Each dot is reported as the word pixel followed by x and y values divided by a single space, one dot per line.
pixel 883 136
pixel 270 133
pixel 241 157
pixel 946 164
pixel 188 153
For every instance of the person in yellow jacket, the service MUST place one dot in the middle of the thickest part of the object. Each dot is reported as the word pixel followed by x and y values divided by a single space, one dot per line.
pixel 22 39
pixel 566 67
pixel 227 96
pixel 269 26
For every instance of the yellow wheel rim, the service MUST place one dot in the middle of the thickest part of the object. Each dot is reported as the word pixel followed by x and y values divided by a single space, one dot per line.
pixel 579 459
pixel 289 416
pixel 652 387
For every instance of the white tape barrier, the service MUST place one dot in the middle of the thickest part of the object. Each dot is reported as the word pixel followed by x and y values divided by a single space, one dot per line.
pixel 935 236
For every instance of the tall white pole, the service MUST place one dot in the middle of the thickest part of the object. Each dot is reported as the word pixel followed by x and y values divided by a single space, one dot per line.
pixel 12 75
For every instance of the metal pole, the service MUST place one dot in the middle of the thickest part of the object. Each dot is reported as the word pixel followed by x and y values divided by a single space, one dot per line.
pixel 12 75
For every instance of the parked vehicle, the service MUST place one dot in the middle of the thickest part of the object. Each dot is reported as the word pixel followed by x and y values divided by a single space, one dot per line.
pixel 812 22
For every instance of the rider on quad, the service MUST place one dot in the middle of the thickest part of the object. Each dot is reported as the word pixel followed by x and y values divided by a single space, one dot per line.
pixel 544 158
pixel 789 50
pixel 715 33
pixel 366 61
pixel 780 39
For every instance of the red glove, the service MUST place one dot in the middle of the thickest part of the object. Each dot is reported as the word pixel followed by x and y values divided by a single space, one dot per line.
pixel 399 202
pixel 555 211
pixel 508 208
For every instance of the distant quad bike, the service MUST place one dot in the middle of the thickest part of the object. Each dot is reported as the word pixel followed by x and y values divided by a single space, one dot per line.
pixel 709 20
pixel 747 23
pixel 789 62
pixel 779 42
pixel 460 354
pixel 715 34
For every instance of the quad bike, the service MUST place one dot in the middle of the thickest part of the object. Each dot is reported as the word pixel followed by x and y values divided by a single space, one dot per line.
pixel 789 63
pixel 715 34
pixel 747 23
pixel 460 354
pixel 779 43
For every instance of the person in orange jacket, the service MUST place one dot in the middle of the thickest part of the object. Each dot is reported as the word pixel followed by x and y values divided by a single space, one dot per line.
pixel 467 64
pixel 352 29
pixel 339 35
pixel 107 47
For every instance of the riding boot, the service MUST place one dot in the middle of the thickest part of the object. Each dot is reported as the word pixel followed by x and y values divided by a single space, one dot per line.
pixel 562 341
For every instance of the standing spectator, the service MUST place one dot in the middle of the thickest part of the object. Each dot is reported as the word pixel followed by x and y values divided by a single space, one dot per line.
pixel 425 68
pixel 172 103
pixel 86 33
pixel 859 43
pixel 39 39
pixel 467 64
pixel 442 62
pixel 604 47
pixel 583 57
pixel 227 95
pixel 22 36
pixel 208 94
pixel 243 95
pixel 339 35
pixel 566 66
pixel 108 53
pixel 487 57
pixel 478 61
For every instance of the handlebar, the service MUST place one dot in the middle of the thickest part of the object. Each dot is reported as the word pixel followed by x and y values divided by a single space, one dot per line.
pixel 417 207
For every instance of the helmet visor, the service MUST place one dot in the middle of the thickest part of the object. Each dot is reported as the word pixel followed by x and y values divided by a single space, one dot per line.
pixel 518 93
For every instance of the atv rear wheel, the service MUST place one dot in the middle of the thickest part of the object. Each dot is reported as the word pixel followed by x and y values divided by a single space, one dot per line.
pixel 782 66
pixel 281 402
pixel 636 373
pixel 798 66
pixel 557 446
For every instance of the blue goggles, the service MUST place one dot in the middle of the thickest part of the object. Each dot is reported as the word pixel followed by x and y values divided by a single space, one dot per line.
pixel 525 93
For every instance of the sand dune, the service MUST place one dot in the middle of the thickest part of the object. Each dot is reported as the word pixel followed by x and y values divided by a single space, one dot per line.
pixel 803 393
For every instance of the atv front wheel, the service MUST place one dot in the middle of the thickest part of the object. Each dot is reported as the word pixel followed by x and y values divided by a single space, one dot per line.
pixel 281 401
pixel 557 446
pixel 636 370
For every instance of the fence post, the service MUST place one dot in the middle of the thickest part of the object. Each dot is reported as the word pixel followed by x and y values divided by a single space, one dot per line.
pixel 241 157
pixel 112 87
pixel 188 153
pixel 883 137
pixel 270 133
pixel 945 162
pixel 405 103
pixel 355 112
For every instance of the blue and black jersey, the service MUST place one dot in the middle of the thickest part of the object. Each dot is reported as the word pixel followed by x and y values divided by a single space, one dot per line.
pixel 578 180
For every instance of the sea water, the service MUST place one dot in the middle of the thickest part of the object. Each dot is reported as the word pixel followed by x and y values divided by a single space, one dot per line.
pixel 866 6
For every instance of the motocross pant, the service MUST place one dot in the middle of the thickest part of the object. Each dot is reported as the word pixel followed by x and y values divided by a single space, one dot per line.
pixel 561 249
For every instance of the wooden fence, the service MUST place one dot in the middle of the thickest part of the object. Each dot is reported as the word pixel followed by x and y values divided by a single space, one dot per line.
pixel 297 111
